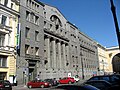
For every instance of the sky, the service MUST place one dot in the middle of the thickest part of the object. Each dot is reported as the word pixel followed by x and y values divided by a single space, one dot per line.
pixel 93 17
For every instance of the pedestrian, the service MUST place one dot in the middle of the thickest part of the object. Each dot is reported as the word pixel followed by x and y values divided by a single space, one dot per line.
pixel 38 78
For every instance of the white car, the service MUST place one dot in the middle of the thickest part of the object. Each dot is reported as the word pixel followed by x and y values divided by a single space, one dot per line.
pixel 76 78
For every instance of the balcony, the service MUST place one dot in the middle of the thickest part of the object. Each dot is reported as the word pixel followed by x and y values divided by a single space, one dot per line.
pixel 5 29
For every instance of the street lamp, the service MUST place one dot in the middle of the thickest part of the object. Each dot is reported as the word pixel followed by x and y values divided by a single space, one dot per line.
pixel 82 66
pixel 115 21
pixel 103 67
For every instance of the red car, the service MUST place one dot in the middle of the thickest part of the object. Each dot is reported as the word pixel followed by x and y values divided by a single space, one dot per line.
pixel 37 83
pixel 67 80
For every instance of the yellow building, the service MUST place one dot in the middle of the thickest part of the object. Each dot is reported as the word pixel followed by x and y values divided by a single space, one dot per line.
pixel 9 12
pixel 108 59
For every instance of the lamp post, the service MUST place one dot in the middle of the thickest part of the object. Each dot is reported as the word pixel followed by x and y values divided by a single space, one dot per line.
pixel 82 66
pixel 103 67
pixel 115 21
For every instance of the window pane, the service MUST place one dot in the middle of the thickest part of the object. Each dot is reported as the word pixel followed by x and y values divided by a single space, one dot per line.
pixel 27 32
pixel 3 61
pixel 3 21
pixel 6 2
pixel 2 38
pixel 4 64
pixel 36 35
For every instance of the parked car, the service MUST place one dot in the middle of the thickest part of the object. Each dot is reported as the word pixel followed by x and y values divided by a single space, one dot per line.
pixel 66 80
pixel 38 83
pixel 5 85
pixel 76 78
pixel 53 82
pixel 114 79
pixel 101 84
pixel 74 87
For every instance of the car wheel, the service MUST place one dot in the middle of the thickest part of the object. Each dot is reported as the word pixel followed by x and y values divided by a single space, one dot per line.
pixel 69 82
pixel 42 86
pixel 29 86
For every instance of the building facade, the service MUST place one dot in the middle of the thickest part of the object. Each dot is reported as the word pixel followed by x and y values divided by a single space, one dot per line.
pixel 109 60
pixel 9 12
pixel 52 47
pixel 114 59
pixel 30 51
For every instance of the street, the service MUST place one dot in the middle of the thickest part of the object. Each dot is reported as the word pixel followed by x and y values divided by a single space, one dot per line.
pixel 26 88
pixel 22 87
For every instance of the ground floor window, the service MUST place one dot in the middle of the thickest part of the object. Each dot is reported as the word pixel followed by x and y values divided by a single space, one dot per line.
pixel 3 75
pixel 3 61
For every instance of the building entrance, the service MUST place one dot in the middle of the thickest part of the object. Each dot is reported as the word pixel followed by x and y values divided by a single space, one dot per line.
pixel 32 70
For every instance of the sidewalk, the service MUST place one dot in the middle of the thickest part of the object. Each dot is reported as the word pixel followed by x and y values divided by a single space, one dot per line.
pixel 20 87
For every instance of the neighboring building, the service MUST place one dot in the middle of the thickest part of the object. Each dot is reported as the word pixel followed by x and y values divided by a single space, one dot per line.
pixel 9 12
pixel 31 48
pixel 114 59
pixel 109 60
pixel 104 64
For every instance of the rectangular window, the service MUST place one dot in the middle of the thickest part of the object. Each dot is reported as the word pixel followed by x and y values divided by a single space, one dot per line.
pixel 5 2
pixel 3 61
pixel 27 15
pixel 27 32
pixel 36 35
pixel 27 49
pixel 37 20
pixel 3 21
pixel 36 50
pixel 2 39
pixel 12 5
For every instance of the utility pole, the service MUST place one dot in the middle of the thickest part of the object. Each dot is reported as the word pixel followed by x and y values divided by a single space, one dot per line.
pixel 115 21
pixel 82 66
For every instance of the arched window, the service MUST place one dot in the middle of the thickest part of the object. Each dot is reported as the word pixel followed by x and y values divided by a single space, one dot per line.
pixel 56 21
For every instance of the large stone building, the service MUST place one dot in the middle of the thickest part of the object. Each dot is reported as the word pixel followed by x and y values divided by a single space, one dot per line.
pixel 52 47
pixel 9 12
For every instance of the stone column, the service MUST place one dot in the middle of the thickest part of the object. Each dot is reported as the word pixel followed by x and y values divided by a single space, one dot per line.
pixel 59 55
pixel 54 54
pixel 64 58
pixel 47 43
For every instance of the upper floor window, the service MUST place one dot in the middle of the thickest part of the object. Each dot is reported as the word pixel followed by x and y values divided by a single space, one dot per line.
pixel 27 15
pixel 2 39
pixel 27 32
pixel 27 49
pixel 5 2
pixel 3 61
pixel 12 5
pixel 36 20
pixel 36 35
pixel 4 19
pixel 36 50
pixel 56 21
pixel 45 14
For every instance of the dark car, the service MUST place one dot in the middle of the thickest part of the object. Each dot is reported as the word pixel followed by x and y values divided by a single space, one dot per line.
pixel 74 87
pixel 114 79
pixel 37 83
pixel 5 85
pixel 101 84
pixel 53 82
